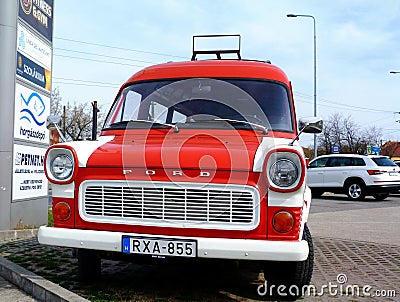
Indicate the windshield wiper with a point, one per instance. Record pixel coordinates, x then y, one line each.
256 126
152 123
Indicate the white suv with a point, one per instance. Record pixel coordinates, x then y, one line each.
354 175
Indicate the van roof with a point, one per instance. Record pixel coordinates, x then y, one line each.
211 69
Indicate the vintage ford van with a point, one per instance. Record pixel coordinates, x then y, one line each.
195 159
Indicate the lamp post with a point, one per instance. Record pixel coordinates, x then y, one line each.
394 72
315 72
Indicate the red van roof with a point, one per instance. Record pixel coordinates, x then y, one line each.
212 69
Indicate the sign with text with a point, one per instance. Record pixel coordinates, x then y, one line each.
39 15
32 47
31 110
33 72
29 179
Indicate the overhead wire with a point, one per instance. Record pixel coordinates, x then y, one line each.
121 48
99 84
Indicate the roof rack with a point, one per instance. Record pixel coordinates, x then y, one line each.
217 52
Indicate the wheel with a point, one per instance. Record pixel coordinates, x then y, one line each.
355 190
380 196
303 269
315 193
293 275
89 265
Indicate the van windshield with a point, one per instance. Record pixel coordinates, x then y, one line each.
203 103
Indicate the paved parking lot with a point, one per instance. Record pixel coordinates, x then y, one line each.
357 258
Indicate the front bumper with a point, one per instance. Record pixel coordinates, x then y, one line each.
220 248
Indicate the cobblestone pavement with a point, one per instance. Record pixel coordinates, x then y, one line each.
344 265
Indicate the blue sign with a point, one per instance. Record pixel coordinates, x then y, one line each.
335 149
126 245
373 150
39 15
33 72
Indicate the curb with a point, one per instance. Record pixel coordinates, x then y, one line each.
11 235
39 288
36 286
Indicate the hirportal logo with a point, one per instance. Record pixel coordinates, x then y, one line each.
33 110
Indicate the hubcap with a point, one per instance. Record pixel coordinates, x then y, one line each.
355 191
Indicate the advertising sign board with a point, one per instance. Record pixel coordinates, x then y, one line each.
31 110
28 172
373 150
33 72
32 47
39 15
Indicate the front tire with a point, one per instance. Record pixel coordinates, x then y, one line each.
89 265
304 269
293 275
355 190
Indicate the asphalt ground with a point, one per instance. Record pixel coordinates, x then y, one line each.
357 258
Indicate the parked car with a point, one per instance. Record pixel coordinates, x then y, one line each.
397 162
354 175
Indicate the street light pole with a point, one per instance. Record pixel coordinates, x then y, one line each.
315 72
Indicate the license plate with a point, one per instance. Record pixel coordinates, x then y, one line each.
393 174
159 246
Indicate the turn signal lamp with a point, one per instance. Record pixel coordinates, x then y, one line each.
283 222
62 211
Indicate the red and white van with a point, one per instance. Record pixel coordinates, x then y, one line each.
195 159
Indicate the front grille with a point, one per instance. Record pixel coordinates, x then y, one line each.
166 204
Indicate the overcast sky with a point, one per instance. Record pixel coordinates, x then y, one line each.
99 44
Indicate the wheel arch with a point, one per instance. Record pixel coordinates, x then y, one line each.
353 179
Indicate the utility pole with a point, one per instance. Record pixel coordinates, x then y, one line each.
315 73
94 120
64 121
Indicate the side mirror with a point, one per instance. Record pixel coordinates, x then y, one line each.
52 124
52 121
310 125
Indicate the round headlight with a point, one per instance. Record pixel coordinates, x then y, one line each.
283 173
62 167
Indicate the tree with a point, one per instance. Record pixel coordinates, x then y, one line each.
77 122
348 135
